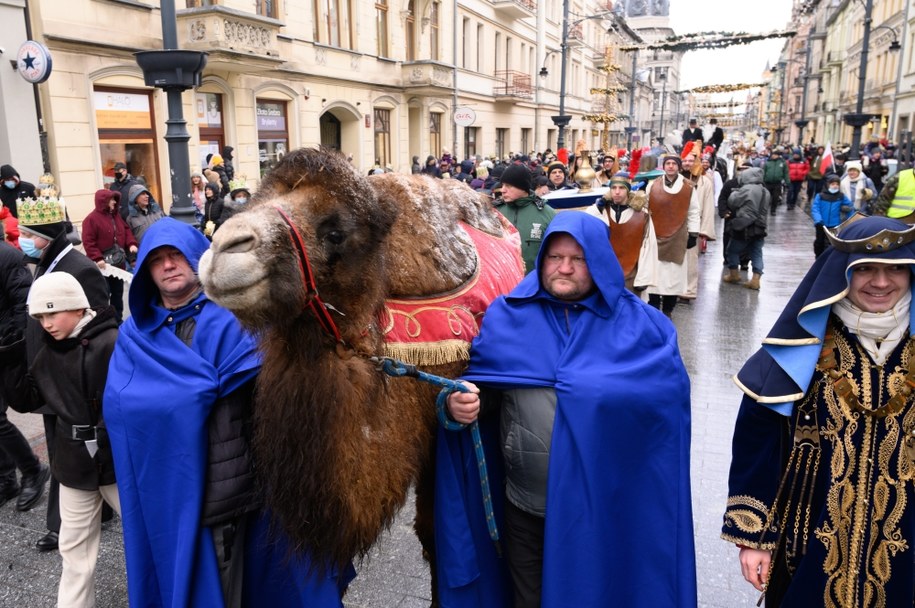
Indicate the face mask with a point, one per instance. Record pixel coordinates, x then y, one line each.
241 200
833 189
9 184
29 248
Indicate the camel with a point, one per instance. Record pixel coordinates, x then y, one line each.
402 266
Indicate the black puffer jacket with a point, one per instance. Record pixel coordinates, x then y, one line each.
15 281
68 376
231 489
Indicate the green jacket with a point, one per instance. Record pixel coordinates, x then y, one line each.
775 171
530 215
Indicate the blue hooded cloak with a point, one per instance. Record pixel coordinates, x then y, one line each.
157 400
618 516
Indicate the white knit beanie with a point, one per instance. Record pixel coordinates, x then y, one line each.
55 292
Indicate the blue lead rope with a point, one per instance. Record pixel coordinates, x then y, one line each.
399 369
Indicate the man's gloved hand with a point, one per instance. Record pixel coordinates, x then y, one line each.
691 241
818 225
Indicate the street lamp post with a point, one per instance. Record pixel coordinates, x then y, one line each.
859 119
663 78
802 121
561 121
174 71
631 128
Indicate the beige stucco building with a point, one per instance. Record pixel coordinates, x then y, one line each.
378 80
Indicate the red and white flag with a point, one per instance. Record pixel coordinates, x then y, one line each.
827 162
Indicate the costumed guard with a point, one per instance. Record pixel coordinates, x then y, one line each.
704 187
674 209
163 385
821 497
631 232
612 487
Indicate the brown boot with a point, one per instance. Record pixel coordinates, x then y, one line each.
732 276
754 282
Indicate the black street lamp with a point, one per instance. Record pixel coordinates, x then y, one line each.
662 76
858 118
174 71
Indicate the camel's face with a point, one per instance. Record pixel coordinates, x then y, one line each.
252 267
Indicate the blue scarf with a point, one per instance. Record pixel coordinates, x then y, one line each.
619 520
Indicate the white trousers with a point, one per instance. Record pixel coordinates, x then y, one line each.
80 533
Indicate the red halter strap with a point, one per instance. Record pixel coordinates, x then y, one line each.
312 299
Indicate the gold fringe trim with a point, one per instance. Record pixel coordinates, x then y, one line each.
429 353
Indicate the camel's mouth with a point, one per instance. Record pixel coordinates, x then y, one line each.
231 275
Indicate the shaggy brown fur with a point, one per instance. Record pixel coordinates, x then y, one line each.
337 442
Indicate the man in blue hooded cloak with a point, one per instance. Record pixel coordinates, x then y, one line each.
584 390
181 368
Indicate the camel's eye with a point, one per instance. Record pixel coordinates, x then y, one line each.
335 237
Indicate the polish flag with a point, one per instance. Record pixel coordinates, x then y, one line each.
828 161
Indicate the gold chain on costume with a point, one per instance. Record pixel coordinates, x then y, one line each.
861 530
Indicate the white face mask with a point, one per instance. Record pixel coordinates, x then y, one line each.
833 189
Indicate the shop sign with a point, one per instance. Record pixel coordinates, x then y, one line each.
270 117
117 110
464 116
33 62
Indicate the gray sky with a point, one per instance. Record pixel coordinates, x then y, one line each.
735 64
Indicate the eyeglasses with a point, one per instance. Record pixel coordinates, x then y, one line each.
557 260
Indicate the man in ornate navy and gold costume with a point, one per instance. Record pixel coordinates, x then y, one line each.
822 482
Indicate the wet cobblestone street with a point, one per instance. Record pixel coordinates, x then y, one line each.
717 332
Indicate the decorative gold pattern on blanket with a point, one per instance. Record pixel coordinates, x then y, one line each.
438 329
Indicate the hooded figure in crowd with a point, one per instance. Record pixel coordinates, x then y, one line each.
12 188
178 407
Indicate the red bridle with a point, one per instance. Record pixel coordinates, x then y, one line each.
312 299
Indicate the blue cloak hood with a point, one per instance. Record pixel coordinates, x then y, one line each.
779 373
619 518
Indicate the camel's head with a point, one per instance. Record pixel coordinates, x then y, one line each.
253 266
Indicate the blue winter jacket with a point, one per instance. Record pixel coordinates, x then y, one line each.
831 209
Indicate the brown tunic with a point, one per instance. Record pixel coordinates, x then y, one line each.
626 240
669 214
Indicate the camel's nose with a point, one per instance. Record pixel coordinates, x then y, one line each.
233 240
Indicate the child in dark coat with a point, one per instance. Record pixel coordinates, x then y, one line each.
68 375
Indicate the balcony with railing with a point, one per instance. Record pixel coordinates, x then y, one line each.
513 85
515 9
216 29
576 35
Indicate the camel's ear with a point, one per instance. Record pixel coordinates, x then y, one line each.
386 211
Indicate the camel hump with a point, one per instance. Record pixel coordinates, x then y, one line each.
427 250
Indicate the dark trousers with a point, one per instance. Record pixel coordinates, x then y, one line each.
794 190
666 304
524 553
775 191
116 293
813 188
15 452
820 243
53 515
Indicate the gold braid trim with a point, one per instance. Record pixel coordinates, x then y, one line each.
429 353
747 543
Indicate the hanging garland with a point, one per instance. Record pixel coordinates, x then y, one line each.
604 118
724 104
609 90
722 88
705 40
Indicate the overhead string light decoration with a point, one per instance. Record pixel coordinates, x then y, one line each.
723 88
705 40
